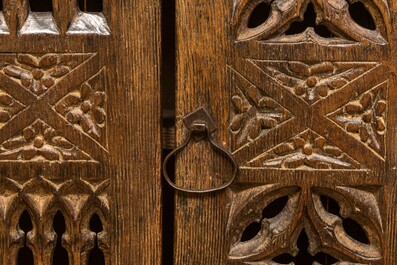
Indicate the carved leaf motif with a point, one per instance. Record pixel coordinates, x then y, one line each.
40 142
308 150
333 14
254 113
366 118
313 81
85 107
39 73
9 107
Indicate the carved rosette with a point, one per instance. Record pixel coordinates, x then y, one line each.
304 209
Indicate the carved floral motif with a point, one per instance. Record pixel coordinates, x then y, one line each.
304 210
305 151
85 107
40 142
313 81
56 89
9 107
365 118
253 112
39 73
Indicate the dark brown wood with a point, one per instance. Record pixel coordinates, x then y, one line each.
308 112
80 131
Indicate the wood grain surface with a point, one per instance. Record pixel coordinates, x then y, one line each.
307 108
80 131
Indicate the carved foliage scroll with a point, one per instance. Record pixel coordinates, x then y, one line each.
334 15
305 209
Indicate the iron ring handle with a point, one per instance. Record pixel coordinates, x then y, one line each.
200 128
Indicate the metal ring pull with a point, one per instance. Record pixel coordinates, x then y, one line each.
200 129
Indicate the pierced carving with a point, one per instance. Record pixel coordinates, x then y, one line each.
307 150
85 107
278 234
40 142
253 112
313 81
365 118
42 199
40 73
334 15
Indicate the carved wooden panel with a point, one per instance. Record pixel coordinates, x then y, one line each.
71 108
303 95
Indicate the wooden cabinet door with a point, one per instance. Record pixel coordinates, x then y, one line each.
79 132
303 95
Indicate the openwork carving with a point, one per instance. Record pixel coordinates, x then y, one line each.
334 15
40 142
41 97
306 209
78 200
314 81
365 118
253 112
308 150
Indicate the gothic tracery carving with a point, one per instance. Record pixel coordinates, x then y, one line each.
333 14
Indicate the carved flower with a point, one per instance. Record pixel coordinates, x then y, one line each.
313 82
307 150
84 107
37 74
255 114
8 107
365 118
39 141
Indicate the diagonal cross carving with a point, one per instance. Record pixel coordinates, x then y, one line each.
41 107
308 116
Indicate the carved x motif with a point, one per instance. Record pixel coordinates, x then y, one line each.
308 116
41 107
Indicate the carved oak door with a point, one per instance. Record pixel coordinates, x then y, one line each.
303 94
79 126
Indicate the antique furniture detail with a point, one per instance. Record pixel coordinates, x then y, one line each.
56 207
262 233
201 127
28 17
332 15
309 88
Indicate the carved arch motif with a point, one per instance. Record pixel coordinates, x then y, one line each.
304 210
334 14
42 198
